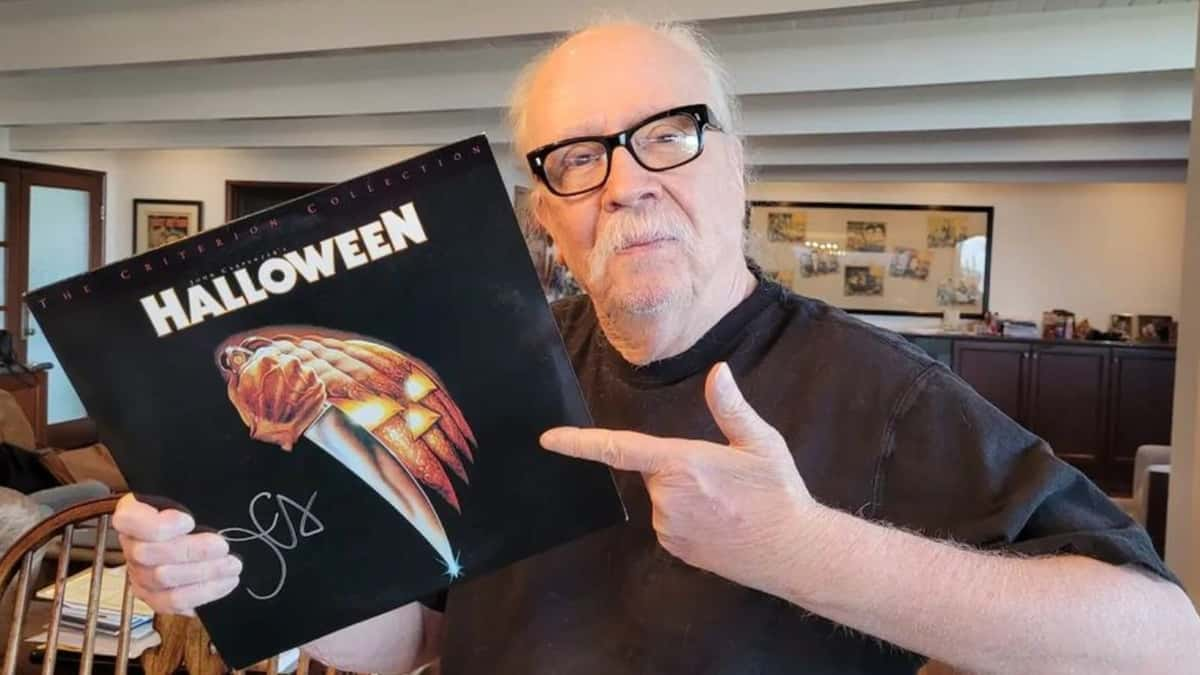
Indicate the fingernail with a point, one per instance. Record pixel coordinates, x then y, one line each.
234 565
725 376
552 438
186 522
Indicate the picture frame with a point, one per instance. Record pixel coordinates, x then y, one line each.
1154 328
157 222
1122 324
894 259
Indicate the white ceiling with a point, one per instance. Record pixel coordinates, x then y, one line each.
1104 84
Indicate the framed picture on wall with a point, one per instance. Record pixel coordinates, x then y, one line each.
906 259
161 221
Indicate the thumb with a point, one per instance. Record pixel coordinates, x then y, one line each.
737 420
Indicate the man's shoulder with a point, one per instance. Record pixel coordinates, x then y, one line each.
837 335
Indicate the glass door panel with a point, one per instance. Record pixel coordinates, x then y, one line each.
59 226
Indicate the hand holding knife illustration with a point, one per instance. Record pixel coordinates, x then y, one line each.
377 411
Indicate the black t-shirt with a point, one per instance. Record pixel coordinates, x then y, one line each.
877 429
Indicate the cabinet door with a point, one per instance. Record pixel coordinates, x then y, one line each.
997 370
939 348
1142 394
1068 404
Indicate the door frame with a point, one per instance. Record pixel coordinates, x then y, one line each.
232 188
10 176
23 176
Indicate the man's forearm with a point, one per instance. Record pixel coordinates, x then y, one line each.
984 612
398 641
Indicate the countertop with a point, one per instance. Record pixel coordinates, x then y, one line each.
953 335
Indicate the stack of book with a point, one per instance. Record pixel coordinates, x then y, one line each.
108 620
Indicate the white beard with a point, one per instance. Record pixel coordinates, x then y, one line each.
631 226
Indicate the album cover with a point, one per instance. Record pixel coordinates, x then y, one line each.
349 387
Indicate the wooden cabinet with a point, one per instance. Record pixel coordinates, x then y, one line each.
1140 399
29 389
997 370
1068 403
939 348
1094 404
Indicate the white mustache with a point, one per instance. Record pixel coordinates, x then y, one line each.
631 228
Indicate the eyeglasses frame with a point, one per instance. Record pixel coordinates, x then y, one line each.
700 112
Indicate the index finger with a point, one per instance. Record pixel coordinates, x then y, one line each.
625 450
138 520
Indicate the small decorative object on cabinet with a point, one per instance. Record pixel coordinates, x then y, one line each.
1123 324
1154 328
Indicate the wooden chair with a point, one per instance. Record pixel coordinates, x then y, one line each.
184 640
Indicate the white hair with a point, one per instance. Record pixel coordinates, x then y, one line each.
724 102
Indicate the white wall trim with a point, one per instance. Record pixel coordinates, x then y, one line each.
1141 142
128 32
1097 100
994 48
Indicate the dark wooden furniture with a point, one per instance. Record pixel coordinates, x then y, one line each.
1142 395
243 197
18 563
998 370
1093 402
1158 490
28 387
1068 389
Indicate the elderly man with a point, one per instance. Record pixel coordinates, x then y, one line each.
847 481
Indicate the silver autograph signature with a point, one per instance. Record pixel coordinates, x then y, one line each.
309 525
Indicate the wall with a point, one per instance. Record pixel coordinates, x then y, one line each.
201 174
1183 514
1095 249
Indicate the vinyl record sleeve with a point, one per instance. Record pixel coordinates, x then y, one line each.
349 387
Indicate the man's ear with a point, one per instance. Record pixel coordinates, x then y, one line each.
538 209
737 155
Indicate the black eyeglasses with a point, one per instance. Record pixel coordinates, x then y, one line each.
663 141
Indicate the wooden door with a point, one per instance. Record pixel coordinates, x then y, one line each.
10 199
55 230
997 370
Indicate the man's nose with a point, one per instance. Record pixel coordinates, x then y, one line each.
629 184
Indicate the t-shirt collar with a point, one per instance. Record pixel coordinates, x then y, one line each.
714 345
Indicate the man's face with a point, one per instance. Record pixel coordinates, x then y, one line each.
645 242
